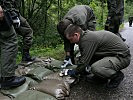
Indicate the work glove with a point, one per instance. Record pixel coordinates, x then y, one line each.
16 22
66 62
68 72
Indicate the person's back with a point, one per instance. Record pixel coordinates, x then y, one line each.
107 42
81 15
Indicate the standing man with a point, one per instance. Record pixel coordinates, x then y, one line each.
115 16
81 15
8 51
26 32
130 19
104 53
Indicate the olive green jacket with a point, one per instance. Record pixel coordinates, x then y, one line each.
99 44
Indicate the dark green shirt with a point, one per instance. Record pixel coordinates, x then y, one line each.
99 44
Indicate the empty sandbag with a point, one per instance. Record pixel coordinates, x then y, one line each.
34 95
56 88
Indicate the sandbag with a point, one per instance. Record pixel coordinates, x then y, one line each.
34 95
22 70
26 64
3 97
39 72
56 88
56 76
16 91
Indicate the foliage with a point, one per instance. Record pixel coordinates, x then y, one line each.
128 9
56 52
43 16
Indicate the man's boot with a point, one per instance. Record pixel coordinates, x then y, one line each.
95 79
12 82
26 56
115 80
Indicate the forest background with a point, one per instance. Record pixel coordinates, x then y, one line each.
43 16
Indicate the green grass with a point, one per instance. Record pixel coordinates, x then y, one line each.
57 52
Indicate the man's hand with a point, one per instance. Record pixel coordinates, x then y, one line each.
68 72
66 62
1 14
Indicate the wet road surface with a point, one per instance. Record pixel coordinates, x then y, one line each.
88 91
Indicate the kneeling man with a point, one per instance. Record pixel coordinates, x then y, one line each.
103 52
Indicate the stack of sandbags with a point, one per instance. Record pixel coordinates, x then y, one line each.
42 80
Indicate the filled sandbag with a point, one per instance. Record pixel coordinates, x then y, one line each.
56 76
56 88
26 64
3 97
39 72
22 70
34 95
16 91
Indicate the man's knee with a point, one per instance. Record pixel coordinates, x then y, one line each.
102 71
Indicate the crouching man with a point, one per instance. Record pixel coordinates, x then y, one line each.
103 52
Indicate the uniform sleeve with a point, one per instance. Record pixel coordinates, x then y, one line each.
87 50
67 45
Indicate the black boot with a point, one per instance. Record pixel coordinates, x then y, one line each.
26 56
11 82
95 79
115 80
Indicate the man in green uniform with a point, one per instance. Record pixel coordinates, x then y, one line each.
115 16
26 32
8 52
101 51
130 19
23 29
81 15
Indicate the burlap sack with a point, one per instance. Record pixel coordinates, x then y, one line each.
56 88
34 95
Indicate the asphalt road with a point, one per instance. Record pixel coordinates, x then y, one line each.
88 91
